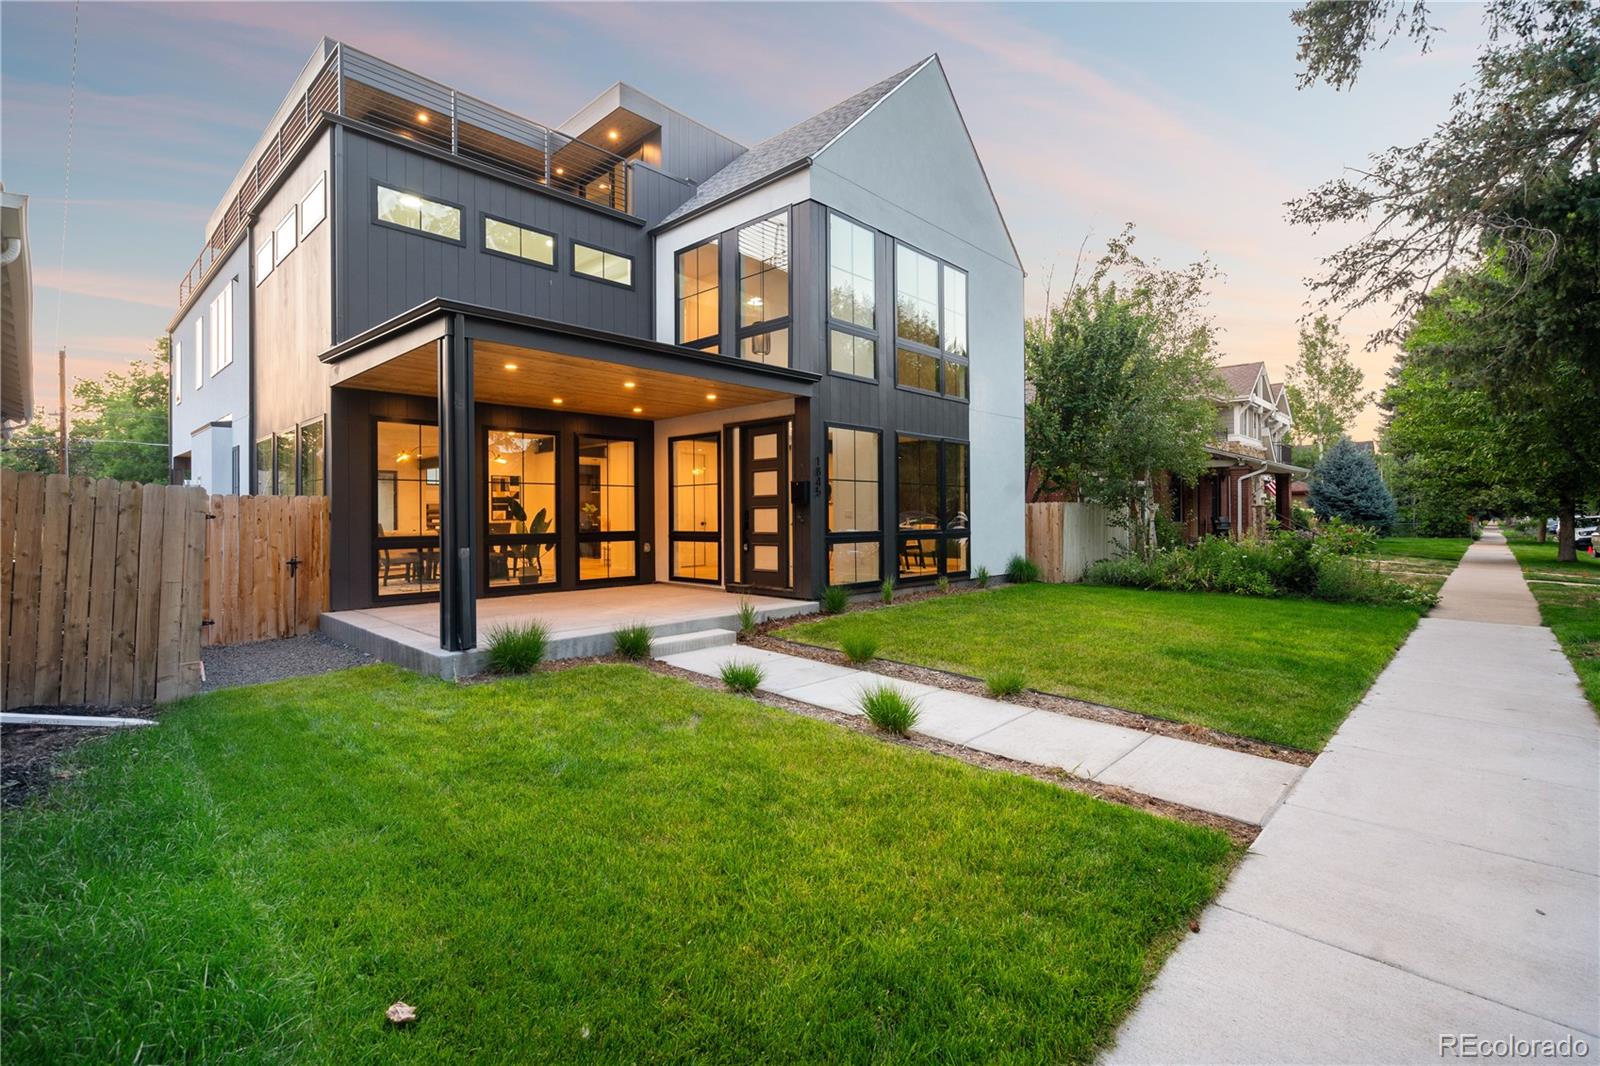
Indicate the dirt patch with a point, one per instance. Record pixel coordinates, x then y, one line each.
31 756
1242 833
1043 701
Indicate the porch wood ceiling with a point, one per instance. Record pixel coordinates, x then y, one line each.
583 385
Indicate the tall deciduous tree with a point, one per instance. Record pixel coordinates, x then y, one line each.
1533 114
1122 382
1325 387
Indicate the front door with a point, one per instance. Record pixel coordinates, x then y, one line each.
764 499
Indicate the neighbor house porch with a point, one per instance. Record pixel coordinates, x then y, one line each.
478 455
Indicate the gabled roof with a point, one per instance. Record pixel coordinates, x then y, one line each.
1240 378
797 145
1280 399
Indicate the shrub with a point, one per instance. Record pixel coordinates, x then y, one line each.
859 647
747 616
1003 683
1292 563
887 590
1304 517
516 649
981 577
889 709
1344 538
1022 570
835 598
742 677
633 642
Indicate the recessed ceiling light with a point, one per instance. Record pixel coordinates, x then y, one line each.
561 170
638 410
613 134
511 366
423 117
629 384
557 401
711 396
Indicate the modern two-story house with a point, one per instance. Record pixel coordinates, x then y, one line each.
1248 472
628 349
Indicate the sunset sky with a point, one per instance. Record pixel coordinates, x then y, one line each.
1183 119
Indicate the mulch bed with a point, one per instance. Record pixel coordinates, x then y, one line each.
30 755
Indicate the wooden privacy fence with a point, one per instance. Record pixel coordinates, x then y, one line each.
266 567
1065 539
108 589
102 602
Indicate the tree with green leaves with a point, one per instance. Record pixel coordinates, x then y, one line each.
1325 387
1122 381
1445 445
1346 484
1533 115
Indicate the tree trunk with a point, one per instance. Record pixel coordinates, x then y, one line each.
1566 549
1544 530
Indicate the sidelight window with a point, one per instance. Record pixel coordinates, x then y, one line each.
854 538
934 500
521 470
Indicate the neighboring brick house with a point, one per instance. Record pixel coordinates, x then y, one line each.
1248 473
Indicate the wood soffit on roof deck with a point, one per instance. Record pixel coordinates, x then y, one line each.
584 385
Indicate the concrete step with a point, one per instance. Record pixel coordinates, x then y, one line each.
661 647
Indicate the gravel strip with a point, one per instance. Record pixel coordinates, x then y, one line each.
274 660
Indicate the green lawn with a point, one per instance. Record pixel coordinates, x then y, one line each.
1280 670
595 864
1441 549
1572 611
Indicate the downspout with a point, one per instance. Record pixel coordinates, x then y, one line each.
1239 496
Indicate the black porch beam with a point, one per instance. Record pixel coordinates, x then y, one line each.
458 616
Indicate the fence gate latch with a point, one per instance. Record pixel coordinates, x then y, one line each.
294 566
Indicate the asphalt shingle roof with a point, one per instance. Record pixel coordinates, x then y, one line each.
1240 378
799 142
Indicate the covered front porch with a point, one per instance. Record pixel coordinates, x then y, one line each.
479 457
578 623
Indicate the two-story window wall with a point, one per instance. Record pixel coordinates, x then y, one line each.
930 324
852 299
764 290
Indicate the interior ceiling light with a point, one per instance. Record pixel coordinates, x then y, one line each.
511 366
754 301
501 460
403 457
423 117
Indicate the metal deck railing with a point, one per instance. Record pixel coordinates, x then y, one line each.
360 87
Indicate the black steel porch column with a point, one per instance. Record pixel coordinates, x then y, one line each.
458 615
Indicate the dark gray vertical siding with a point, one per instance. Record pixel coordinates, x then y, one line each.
655 195
384 271
692 151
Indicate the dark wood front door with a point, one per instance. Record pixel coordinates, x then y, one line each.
764 505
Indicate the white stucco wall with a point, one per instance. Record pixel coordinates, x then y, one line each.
223 396
907 168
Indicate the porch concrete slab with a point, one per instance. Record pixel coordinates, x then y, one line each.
1489 747
1231 783
958 716
1076 745
1515 816
1243 990
780 673
1518 932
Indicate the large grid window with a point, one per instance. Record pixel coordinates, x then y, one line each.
521 468
854 539
699 302
930 324
933 500
696 509
852 298
519 242
608 531
601 265
410 211
283 463
310 453
406 483
764 290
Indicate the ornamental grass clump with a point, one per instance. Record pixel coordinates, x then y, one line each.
1003 683
835 598
887 590
1021 570
633 642
516 649
889 709
742 677
980 577
859 647
747 617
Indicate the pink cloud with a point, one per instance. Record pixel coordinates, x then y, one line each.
105 285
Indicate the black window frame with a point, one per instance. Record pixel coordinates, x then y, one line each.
552 538
377 183
299 456
674 534
572 264
267 467
714 339
599 537
379 543
742 333
945 531
937 352
292 437
871 333
830 538
485 217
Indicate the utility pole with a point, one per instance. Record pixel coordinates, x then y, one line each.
61 365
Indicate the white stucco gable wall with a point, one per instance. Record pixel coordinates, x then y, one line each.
909 169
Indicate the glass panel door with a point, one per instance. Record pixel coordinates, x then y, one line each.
521 472
764 532
696 524
607 509
406 484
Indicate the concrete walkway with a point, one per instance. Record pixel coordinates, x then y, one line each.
1433 873
1230 783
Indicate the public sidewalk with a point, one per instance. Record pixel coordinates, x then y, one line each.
1432 875
1230 783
